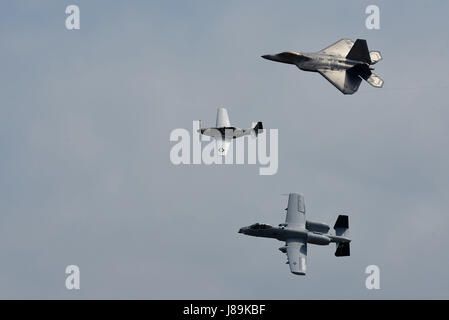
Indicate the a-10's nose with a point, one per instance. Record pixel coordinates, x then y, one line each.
242 230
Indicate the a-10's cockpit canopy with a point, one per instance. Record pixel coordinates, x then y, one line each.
259 226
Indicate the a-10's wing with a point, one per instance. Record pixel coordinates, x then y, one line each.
296 211
346 82
296 249
340 48
297 255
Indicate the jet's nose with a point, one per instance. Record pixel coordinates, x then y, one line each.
284 57
268 56
243 230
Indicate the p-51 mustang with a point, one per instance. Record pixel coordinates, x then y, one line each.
297 232
224 132
344 64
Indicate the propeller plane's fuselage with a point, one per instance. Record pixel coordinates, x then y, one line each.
224 132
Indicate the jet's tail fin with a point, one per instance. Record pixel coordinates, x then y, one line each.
364 71
258 128
359 52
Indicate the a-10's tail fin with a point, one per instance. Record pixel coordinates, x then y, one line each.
359 52
343 250
341 228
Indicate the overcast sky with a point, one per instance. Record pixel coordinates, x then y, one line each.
86 178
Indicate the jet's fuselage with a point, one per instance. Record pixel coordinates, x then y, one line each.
344 64
315 61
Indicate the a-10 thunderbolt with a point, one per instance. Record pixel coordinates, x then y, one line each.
297 232
344 64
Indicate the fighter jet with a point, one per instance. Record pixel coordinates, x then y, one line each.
224 132
297 232
344 64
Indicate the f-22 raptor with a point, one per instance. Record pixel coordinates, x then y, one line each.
297 232
344 64
224 132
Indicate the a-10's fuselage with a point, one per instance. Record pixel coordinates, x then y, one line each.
282 233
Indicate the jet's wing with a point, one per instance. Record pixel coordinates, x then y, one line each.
296 211
297 256
340 48
222 145
345 82
222 118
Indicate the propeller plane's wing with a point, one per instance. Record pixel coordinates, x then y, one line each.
222 118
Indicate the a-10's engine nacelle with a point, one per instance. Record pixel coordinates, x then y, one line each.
318 239
317 226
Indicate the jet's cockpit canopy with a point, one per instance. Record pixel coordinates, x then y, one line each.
288 54
259 226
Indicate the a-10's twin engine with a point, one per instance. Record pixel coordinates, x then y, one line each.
319 239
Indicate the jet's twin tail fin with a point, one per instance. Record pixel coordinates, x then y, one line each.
359 52
364 71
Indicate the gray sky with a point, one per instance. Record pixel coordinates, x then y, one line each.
85 174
